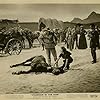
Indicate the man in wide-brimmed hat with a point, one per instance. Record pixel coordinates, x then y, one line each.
49 40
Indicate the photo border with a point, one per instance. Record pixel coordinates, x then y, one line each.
51 96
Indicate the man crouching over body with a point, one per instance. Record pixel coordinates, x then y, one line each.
38 64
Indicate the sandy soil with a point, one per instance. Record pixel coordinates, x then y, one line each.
82 76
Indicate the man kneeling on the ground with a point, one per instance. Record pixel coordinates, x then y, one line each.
67 59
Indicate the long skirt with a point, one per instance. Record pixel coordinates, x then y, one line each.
82 42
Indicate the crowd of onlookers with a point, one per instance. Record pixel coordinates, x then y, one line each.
73 37
78 38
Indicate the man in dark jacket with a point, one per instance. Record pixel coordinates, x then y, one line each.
93 42
98 30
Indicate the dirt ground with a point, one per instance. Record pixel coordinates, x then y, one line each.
82 76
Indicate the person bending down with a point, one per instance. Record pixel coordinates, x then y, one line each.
67 59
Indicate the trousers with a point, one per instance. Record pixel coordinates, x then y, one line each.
93 53
48 52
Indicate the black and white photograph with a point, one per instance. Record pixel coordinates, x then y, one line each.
49 48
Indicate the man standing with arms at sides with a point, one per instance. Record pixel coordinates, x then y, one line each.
49 40
93 35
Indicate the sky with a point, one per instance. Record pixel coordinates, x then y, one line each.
33 12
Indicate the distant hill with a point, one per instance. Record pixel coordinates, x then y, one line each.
51 23
69 24
92 18
76 20
54 23
30 25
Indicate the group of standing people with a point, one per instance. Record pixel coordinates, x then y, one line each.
75 38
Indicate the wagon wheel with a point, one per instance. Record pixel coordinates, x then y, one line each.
14 46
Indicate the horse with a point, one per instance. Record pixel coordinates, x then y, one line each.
38 65
30 36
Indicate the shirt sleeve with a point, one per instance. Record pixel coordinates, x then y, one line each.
60 55
68 53
41 38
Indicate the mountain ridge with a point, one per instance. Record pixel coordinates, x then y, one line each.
92 18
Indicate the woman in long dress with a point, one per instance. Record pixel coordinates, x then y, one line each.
82 39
